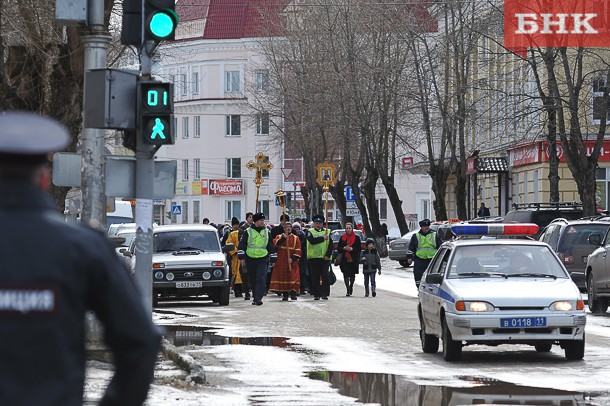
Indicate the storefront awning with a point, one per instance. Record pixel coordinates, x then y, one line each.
492 165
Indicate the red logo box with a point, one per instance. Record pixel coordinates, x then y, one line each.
555 24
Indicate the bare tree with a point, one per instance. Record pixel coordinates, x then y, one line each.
42 66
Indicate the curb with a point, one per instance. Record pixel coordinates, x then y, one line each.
184 361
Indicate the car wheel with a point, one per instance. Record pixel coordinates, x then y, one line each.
223 296
543 347
596 304
429 342
452 350
404 263
575 349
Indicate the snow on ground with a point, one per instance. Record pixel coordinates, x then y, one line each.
272 375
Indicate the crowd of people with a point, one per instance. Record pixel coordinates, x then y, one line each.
293 259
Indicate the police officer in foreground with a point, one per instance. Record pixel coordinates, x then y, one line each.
254 249
52 273
422 247
319 251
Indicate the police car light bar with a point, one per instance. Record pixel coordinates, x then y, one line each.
495 229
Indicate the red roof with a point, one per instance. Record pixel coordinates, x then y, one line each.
230 19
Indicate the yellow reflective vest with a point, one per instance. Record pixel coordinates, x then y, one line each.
257 243
426 245
317 250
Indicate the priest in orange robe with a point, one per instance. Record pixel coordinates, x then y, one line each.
286 277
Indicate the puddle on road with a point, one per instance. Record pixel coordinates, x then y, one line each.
181 336
395 390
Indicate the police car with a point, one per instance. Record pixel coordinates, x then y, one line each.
499 291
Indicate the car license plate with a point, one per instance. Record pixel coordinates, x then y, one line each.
523 322
188 284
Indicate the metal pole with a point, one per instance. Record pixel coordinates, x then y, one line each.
145 170
326 206
95 46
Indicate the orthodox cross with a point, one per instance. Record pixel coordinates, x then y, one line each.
259 165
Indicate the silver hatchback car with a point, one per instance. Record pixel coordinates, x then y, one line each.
499 291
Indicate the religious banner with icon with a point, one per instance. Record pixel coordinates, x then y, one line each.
326 178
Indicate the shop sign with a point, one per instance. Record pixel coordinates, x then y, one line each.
196 187
525 155
604 152
226 187
471 165
182 188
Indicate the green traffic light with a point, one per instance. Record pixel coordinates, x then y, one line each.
163 24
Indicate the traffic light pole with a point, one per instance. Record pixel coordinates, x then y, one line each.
95 44
145 170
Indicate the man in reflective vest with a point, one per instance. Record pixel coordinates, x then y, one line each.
253 252
319 251
422 248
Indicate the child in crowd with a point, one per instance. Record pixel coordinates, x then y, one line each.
371 263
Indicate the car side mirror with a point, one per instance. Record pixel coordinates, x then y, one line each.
228 247
595 239
434 278
127 254
123 249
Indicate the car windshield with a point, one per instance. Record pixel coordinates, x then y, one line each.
186 240
505 261
129 236
578 234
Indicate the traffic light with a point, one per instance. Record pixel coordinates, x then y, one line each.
160 20
155 111
131 28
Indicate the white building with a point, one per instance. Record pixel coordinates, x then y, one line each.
215 67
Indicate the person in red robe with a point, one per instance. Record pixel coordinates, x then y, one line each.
286 277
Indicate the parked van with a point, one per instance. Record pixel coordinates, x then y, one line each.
122 213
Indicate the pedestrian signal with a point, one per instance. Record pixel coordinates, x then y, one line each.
155 109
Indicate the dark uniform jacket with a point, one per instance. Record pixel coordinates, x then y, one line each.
419 264
243 246
52 273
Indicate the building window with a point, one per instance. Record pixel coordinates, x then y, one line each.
598 100
175 124
183 84
185 127
233 167
197 163
262 80
382 206
233 125
196 212
233 209
262 124
185 212
263 207
185 169
196 126
195 82
265 172
232 82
